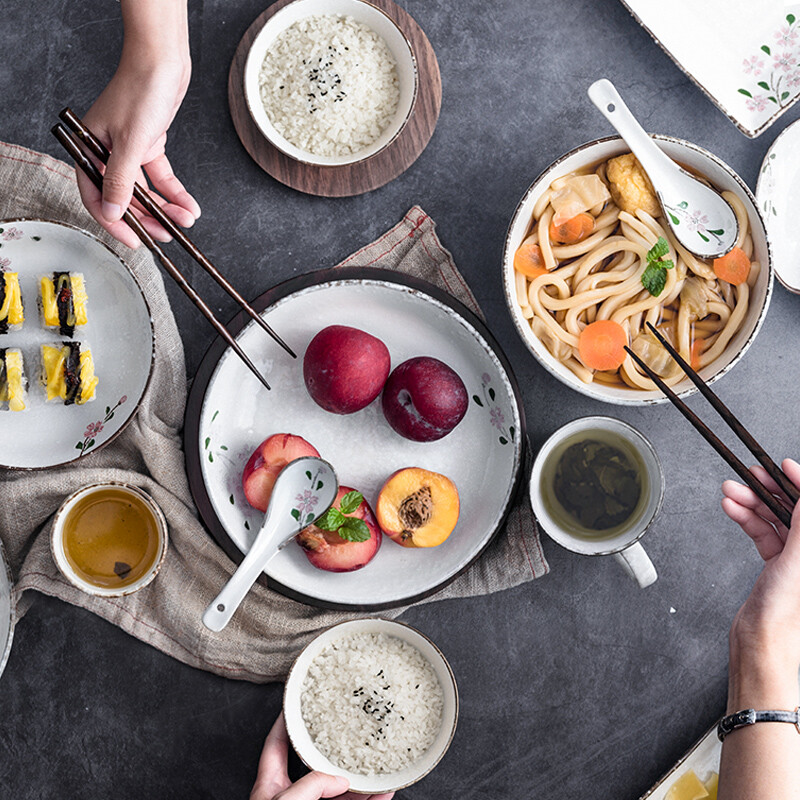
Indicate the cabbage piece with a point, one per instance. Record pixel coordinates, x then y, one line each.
694 297
654 354
578 194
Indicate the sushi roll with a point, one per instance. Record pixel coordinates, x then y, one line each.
63 302
12 379
68 372
11 313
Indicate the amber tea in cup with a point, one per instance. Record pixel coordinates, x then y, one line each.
109 539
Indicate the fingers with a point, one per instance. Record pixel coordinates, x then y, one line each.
121 171
92 200
314 786
764 535
745 496
792 546
272 776
183 208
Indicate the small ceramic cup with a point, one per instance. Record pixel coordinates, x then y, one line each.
622 542
62 517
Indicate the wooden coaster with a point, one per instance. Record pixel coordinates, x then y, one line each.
350 179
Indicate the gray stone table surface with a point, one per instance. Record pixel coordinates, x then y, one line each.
576 685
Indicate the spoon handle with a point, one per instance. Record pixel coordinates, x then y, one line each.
605 96
222 608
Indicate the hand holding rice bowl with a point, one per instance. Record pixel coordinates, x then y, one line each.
553 324
374 701
330 83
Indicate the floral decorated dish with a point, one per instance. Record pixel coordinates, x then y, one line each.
744 56
776 193
229 414
119 331
7 610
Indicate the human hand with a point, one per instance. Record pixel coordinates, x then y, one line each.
131 117
765 636
272 781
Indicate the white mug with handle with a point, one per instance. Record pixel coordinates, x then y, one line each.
622 541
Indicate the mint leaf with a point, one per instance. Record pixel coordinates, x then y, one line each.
350 502
654 278
354 529
331 520
658 250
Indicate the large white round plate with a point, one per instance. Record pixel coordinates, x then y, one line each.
776 194
6 611
230 413
119 333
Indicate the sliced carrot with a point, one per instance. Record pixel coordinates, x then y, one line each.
574 230
733 267
529 260
698 345
602 345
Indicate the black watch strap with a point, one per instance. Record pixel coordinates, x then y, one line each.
750 716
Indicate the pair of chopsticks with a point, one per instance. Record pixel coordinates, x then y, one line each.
780 511
76 133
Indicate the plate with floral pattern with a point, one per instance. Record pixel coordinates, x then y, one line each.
776 195
119 333
229 414
744 56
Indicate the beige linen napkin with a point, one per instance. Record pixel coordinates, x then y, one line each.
268 630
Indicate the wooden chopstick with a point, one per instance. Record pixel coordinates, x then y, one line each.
773 470
73 148
772 502
141 194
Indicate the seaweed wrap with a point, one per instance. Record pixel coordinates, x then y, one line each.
68 373
63 302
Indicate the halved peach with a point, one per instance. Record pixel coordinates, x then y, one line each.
417 507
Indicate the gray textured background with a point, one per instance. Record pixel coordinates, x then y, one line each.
576 685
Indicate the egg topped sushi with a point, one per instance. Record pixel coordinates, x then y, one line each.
63 301
68 372
12 379
11 312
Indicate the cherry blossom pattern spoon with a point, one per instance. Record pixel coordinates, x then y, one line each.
698 216
304 490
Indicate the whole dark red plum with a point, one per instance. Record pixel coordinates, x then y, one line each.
345 368
424 399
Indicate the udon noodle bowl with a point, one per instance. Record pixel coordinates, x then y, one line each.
598 263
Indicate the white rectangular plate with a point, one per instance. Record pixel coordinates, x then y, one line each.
744 55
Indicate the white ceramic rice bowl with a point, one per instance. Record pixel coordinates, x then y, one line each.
301 739
363 12
697 159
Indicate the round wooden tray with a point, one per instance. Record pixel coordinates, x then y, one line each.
366 175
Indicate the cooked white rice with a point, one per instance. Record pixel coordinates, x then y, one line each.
372 703
329 85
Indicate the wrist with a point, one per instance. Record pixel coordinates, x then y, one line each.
157 33
761 678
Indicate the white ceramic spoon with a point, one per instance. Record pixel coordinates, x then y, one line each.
304 491
698 216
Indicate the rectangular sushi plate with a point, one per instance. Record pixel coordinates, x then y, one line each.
744 56
703 759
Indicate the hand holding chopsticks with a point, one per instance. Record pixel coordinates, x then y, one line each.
765 494
69 140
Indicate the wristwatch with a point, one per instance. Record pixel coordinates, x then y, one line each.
750 716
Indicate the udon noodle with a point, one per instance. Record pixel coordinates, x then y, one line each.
600 278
